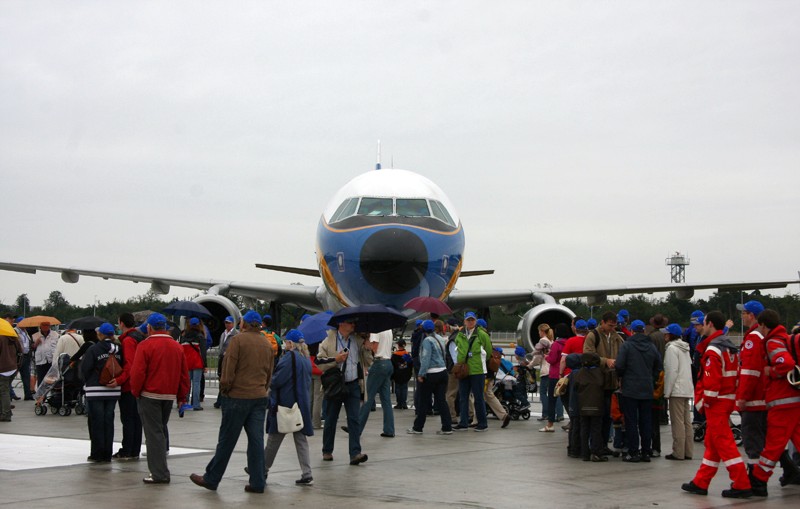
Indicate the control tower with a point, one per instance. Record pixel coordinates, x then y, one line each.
677 267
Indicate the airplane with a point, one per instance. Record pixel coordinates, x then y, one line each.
386 236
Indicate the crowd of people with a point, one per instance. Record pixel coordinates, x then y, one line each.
617 379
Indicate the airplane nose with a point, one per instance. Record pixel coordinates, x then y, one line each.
393 260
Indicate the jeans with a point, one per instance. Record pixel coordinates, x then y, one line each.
352 403
472 384
379 381
131 425
638 424
101 427
237 413
401 394
436 384
155 416
544 383
195 376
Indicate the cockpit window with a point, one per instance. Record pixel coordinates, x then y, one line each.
345 210
417 207
375 207
440 213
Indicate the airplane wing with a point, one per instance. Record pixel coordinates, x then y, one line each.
304 296
598 294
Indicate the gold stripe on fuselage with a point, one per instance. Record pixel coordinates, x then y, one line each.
337 230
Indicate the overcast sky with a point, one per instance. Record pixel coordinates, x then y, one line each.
581 142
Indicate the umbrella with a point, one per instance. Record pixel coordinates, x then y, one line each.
370 317
187 308
428 305
35 321
86 322
315 328
6 329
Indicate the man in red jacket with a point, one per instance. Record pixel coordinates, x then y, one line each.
128 408
752 383
159 377
715 395
783 399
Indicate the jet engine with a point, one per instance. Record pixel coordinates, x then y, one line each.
219 306
550 313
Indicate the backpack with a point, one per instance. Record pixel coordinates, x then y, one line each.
111 369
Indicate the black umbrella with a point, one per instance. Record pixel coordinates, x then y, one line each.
370 317
86 323
187 308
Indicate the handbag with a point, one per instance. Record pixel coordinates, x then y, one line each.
111 369
561 386
290 419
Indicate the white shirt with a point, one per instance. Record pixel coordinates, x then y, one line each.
384 340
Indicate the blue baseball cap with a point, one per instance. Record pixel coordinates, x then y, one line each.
698 317
471 315
623 312
251 317
674 329
194 321
19 319
581 325
520 351
229 319
637 325
295 336
417 323
591 323
302 318
107 329
498 349
267 316
156 320
751 306
482 323
428 326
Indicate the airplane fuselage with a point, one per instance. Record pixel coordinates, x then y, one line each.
388 236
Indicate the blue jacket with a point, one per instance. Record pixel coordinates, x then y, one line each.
432 355
281 386
638 364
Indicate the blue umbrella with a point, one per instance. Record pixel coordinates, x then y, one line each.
315 328
187 308
370 317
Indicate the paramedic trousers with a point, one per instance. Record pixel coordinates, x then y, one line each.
783 424
720 448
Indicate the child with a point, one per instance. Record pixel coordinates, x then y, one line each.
401 362
589 385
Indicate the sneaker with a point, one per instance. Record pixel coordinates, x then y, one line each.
599 459
461 428
152 480
412 431
443 432
631 458
121 457
734 493
547 429
655 454
305 481
694 489
644 458
480 430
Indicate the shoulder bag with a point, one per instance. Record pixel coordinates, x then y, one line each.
290 419
461 369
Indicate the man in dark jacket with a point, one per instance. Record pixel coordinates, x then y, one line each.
589 381
638 365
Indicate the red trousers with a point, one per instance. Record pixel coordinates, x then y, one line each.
720 447
783 424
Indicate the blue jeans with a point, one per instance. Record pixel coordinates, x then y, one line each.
401 394
352 404
249 414
544 383
638 421
195 375
379 381
101 427
473 384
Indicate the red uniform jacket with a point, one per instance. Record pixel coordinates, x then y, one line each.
752 380
129 345
716 387
780 393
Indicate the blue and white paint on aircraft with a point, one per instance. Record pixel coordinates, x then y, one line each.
387 236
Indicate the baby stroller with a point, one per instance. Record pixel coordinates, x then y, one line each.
513 396
700 431
61 390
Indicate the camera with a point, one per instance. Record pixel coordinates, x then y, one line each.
345 350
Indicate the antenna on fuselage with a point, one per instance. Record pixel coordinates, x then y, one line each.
378 164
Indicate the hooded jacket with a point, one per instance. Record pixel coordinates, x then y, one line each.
780 393
589 382
678 370
716 387
639 365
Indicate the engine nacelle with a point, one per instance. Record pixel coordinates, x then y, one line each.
549 313
219 306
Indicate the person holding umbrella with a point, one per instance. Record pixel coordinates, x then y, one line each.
344 350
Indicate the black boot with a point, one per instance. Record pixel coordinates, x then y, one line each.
791 472
759 488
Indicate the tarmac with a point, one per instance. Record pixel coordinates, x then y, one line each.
43 461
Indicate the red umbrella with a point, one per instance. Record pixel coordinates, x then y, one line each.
428 305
